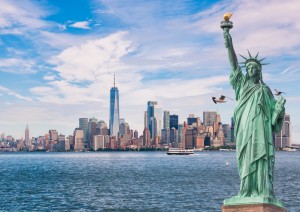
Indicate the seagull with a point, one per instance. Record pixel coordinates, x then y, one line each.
278 92
220 100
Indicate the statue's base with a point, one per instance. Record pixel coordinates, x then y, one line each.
262 207
252 204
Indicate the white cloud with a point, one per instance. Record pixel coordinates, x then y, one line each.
49 77
17 65
7 91
22 16
93 58
81 25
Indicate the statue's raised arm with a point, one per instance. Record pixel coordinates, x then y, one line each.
226 25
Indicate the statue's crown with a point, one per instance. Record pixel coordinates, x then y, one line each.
253 59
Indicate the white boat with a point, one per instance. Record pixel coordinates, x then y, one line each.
176 151
289 149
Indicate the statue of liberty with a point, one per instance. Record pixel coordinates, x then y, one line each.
257 116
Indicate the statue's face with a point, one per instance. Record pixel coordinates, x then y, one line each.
253 69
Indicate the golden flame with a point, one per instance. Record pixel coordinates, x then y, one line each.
227 16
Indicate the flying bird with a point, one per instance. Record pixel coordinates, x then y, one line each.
278 92
220 100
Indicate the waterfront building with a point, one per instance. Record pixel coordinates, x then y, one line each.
40 143
173 137
63 143
165 136
232 139
102 128
151 119
181 135
84 125
112 142
27 140
200 141
209 118
216 124
220 134
174 121
192 120
191 137
124 128
2 137
100 142
92 130
67 144
53 139
78 139
114 114
283 138
122 120
53 135
125 140
135 134
20 144
166 122
71 141
227 133
146 138
146 124
46 143
154 112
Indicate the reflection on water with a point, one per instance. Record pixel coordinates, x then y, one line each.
132 181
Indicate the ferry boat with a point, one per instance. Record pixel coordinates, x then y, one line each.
176 151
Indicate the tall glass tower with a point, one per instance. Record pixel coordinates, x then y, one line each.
114 115
154 112
27 141
84 125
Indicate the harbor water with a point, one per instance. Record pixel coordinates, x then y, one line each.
132 181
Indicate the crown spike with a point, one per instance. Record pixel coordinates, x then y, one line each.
249 54
262 59
243 57
265 63
256 55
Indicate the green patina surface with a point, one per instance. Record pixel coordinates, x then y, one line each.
252 200
257 116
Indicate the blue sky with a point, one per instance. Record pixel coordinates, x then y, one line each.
57 58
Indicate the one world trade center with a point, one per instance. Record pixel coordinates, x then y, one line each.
114 117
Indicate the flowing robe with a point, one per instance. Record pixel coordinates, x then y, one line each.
253 134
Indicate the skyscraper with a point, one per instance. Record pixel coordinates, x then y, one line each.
102 128
78 139
283 138
174 121
209 118
166 119
114 115
192 119
92 130
84 125
27 141
154 119
146 124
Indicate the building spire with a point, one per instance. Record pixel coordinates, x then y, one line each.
114 80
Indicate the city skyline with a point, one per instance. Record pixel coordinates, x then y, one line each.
57 59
